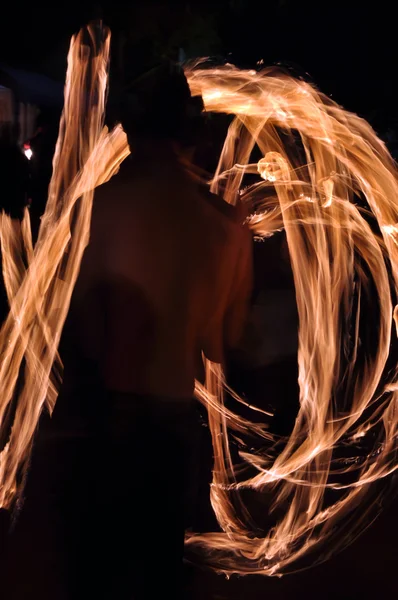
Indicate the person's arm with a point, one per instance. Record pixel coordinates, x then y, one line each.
239 303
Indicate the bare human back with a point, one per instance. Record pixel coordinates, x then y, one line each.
166 276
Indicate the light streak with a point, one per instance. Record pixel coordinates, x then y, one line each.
316 180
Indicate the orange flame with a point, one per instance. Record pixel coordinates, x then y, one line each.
317 159
40 295
329 242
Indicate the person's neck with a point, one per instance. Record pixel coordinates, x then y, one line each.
153 150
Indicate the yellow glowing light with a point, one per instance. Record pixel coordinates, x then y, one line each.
311 199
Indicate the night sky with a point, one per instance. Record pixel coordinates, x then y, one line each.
348 49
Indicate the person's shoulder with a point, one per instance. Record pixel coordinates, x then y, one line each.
110 193
103 191
234 214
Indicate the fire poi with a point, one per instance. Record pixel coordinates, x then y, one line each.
324 188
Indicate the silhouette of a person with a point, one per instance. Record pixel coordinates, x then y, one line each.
166 277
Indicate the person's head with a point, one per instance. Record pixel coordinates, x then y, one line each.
158 105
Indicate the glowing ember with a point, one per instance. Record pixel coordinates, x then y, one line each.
316 159
28 153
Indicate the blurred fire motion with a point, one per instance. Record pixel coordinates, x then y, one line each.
323 177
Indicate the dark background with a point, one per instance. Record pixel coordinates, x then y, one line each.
348 49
